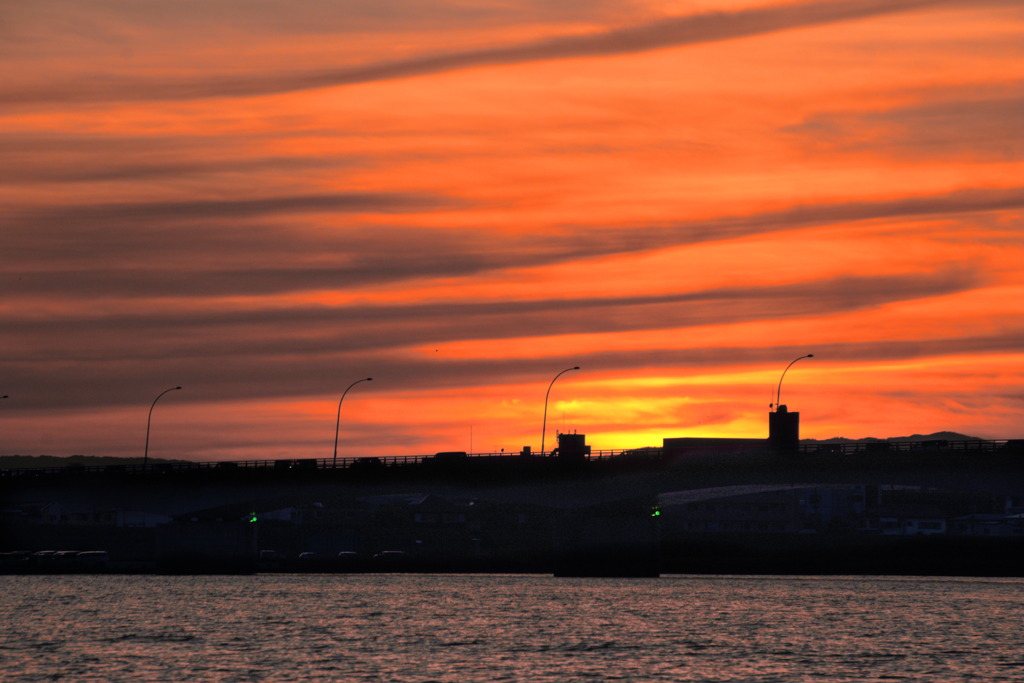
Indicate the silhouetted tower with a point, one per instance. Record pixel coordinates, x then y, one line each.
784 430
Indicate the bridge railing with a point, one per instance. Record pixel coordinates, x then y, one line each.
399 461
880 447
298 464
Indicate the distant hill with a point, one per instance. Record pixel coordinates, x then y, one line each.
937 436
17 462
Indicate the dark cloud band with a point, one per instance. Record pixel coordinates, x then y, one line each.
672 32
170 249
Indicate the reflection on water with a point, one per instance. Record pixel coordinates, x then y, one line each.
509 628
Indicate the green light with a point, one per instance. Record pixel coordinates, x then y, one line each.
253 518
656 513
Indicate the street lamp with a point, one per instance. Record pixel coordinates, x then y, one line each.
544 429
778 392
149 420
337 424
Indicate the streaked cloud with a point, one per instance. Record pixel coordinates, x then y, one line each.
110 215
380 326
112 256
663 33
981 126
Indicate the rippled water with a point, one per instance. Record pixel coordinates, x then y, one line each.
398 627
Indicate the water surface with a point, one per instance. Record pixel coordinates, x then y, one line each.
398 627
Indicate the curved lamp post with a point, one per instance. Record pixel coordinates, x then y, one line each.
337 424
778 392
149 420
544 429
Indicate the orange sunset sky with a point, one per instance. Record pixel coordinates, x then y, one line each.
264 201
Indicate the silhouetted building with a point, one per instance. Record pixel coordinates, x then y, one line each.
796 510
999 525
906 520
572 447
783 437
